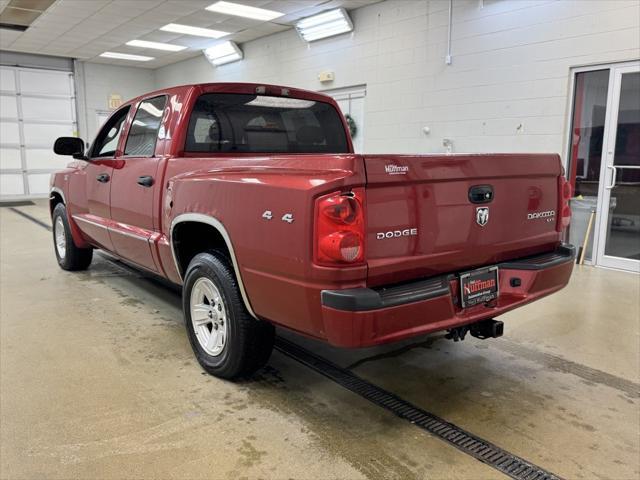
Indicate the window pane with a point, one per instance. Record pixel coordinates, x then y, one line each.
587 133
628 130
623 229
264 124
106 142
589 109
143 133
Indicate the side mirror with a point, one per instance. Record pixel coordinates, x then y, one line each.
73 146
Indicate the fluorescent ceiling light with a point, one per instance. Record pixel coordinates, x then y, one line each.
222 53
156 45
325 24
126 56
196 31
240 10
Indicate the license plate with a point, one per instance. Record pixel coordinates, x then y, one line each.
478 286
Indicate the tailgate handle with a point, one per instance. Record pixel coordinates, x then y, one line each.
481 194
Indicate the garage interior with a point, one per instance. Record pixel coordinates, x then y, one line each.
97 377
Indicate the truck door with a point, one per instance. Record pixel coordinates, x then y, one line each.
94 218
134 186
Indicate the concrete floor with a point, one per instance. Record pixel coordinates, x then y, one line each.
98 381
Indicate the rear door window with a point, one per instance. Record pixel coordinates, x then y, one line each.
223 122
141 141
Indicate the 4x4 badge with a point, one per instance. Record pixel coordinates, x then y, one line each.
287 217
482 216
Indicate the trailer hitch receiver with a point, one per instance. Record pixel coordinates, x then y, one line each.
487 329
482 330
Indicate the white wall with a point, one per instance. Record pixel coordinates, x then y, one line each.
507 89
96 82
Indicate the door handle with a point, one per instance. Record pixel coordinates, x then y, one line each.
103 178
614 174
145 181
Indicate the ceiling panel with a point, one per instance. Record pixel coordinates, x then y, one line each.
18 16
85 28
9 36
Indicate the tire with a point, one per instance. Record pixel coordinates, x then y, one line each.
68 255
226 340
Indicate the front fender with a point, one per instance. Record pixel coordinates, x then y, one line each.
59 191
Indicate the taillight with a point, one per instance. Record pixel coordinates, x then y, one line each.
340 228
565 192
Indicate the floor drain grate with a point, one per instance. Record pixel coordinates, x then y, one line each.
16 203
29 217
488 453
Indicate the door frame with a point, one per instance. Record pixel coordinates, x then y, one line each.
607 173
567 143
349 93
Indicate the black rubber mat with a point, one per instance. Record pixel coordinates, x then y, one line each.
16 203
29 217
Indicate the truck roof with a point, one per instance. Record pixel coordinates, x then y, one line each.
236 87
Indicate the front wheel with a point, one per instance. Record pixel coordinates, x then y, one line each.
227 341
68 255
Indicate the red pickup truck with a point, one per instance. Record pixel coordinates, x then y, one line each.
251 198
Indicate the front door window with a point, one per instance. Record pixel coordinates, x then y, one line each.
106 143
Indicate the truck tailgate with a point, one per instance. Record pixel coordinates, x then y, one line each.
422 222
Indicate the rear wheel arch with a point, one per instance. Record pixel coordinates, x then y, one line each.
194 233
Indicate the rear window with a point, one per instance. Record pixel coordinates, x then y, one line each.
223 122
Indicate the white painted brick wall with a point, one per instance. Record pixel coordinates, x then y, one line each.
507 89
101 81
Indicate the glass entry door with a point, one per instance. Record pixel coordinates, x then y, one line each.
351 102
618 231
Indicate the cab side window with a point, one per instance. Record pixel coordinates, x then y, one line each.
106 142
141 141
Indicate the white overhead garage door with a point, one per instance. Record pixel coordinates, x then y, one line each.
36 107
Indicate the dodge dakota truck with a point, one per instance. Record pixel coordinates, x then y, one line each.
251 198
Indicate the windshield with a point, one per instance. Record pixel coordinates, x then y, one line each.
222 122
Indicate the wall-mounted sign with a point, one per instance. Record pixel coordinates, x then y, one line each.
326 77
115 100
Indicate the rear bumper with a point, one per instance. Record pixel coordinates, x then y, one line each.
363 317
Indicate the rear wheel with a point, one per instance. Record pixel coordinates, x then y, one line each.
227 341
68 255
